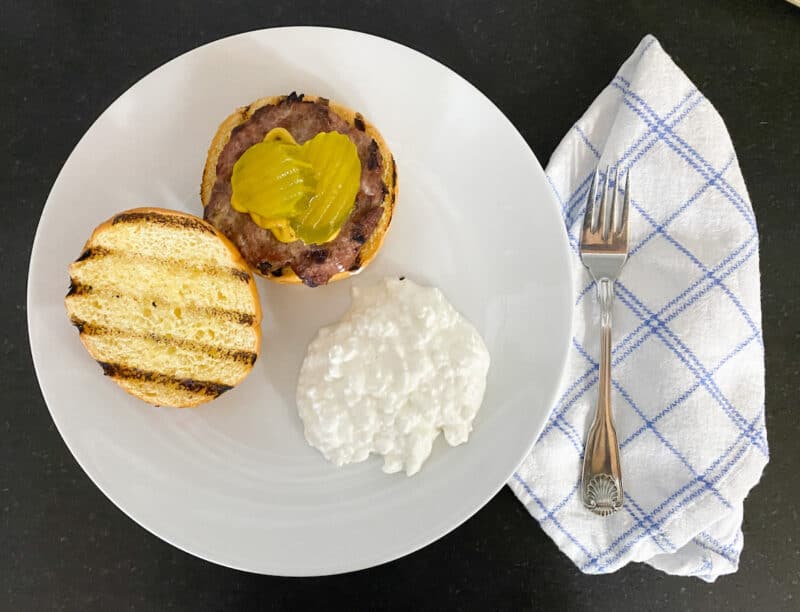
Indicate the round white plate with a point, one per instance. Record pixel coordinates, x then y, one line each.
234 481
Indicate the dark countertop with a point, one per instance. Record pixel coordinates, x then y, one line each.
65 546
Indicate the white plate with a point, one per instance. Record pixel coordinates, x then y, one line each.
234 481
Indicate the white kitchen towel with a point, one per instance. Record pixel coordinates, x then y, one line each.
688 353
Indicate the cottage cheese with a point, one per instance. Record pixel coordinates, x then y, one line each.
401 366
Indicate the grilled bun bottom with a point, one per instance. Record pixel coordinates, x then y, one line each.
167 307
247 236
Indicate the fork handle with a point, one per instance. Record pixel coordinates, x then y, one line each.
602 476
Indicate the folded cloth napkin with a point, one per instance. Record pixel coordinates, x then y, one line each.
688 354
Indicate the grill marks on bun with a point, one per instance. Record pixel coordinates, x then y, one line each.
219 352
151 216
167 307
134 375
95 253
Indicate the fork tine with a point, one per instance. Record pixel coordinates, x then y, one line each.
588 217
622 228
601 217
610 224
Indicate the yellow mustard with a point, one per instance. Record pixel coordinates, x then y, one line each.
298 192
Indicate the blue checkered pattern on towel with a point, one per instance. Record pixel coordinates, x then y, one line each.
688 361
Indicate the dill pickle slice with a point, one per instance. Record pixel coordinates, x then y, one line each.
337 169
272 181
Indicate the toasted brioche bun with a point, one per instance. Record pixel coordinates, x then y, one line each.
167 306
243 114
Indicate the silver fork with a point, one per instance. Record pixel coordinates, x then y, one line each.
604 249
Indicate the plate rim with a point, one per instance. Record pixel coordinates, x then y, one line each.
342 568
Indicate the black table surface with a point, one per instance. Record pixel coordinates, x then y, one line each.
63 545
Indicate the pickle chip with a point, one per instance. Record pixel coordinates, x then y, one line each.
272 181
337 169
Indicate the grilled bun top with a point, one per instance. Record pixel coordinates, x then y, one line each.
303 116
166 305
